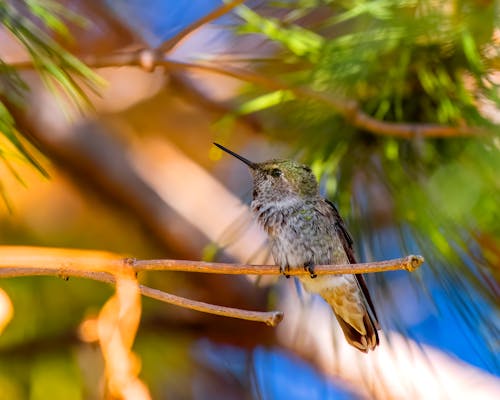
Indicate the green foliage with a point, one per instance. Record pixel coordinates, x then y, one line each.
265 101
401 61
301 42
38 357
59 70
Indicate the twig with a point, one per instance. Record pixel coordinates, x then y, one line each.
409 263
211 16
149 59
271 318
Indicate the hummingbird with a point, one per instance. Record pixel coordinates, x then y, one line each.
305 230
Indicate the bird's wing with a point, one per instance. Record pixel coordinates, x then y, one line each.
347 243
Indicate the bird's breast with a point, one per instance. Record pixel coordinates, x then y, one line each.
299 234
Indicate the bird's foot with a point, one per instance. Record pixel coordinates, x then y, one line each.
310 268
285 271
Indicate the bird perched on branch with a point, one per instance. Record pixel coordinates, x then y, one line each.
306 230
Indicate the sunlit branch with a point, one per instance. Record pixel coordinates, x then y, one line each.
271 318
409 263
17 261
349 109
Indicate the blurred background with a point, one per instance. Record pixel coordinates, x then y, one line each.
395 105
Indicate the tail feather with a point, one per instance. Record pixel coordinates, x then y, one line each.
355 313
362 342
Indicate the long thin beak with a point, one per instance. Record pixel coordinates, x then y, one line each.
247 162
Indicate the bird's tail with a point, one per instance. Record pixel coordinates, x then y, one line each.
356 315
363 341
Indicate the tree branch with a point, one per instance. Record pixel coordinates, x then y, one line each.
270 318
211 16
408 263
16 261
349 109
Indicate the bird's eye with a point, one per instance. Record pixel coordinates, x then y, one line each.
306 168
276 172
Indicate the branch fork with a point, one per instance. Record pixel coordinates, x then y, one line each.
107 267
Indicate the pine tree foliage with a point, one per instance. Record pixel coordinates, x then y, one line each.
63 73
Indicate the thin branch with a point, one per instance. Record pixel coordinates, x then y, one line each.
349 109
271 318
211 16
409 263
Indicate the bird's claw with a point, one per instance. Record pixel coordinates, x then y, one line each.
285 270
309 267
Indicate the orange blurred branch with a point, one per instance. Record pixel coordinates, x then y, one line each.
6 310
102 266
117 326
